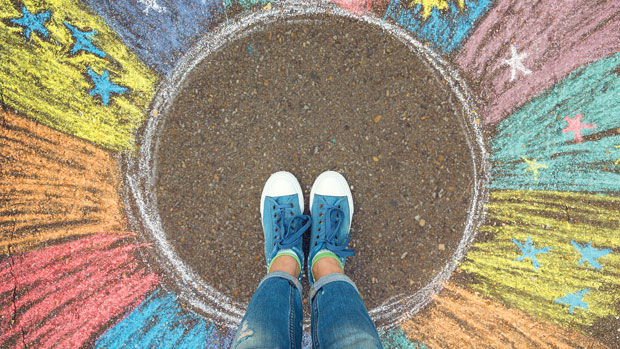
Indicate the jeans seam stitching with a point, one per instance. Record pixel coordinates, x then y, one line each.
316 327
291 333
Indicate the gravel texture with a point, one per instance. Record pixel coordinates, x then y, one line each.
309 97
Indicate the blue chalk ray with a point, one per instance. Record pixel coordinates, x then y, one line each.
160 322
590 254
33 22
444 30
574 300
159 31
529 251
83 41
572 129
103 86
397 339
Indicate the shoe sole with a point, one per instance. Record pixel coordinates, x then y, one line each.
289 177
342 181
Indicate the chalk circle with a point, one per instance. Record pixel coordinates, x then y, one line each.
141 169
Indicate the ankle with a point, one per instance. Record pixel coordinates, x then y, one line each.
325 266
286 264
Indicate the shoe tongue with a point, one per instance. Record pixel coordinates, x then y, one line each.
333 200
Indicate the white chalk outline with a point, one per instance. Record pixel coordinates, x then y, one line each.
141 170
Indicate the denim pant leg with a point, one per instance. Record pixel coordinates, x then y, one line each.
339 318
274 317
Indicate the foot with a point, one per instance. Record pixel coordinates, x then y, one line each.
281 210
331 208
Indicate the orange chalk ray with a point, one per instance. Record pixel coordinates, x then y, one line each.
460 319
53 185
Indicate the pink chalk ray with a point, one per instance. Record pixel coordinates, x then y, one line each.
84 283
551 38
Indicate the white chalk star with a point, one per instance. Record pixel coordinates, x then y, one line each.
151 5
515 63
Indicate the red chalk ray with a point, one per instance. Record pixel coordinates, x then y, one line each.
84 283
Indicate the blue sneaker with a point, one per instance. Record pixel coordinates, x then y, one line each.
281 207
331 208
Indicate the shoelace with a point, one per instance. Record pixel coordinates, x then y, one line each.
330 233
288 238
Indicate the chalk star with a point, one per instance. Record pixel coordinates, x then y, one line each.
533 166
575 125
529 251
32 22
515 63
574 300
590 254
151 5
103 86
82 41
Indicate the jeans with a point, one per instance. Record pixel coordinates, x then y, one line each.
274 317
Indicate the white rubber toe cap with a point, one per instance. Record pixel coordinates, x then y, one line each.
281 183
331 183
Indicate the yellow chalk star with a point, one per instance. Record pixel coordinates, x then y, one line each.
428 5
533 166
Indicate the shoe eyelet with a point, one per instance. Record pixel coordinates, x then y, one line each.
274 207
291 213
274 243
275 215
315 244
320 214
319 229
320 222
292 205
339 206
275 237
276 229
317 236
321 206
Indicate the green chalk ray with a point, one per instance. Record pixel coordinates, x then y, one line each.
535 132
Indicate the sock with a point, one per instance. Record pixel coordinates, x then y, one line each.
321 254
287 252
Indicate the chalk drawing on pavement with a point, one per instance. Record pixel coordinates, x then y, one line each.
141 170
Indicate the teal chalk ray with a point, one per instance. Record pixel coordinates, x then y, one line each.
397 339
535 131
160 322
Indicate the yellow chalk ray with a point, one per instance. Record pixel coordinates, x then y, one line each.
41 79
552 219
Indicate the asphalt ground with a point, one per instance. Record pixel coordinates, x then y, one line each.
334 95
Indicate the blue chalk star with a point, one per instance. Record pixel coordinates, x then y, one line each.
83 41
529 251
574 300
590 254
32 22
103 86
